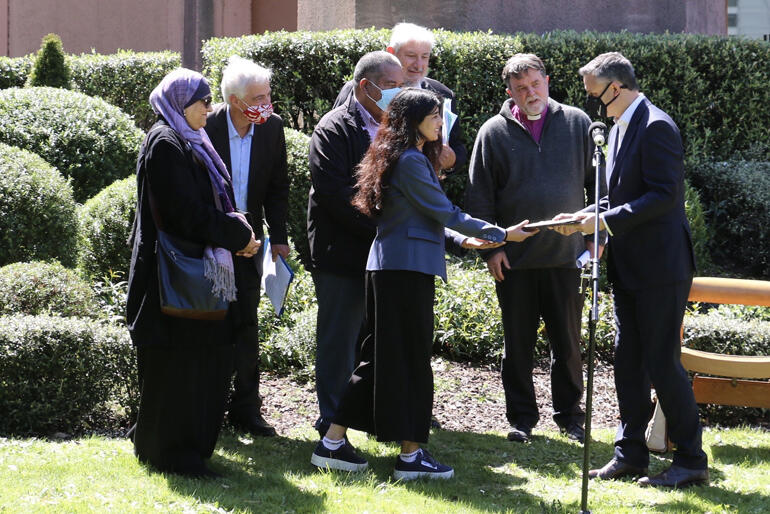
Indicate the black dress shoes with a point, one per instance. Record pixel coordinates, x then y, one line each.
616 469
255 425
520 434
575 432
677 477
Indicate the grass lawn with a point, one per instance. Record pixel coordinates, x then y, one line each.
98 474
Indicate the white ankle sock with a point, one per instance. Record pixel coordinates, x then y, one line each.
409 457
333 445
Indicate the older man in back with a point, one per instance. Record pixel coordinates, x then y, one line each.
413 44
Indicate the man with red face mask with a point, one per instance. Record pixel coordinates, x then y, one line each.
249 138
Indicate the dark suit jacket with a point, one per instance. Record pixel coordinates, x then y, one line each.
339 235
455 135
651 243
268 178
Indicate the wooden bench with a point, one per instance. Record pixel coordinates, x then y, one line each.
736 389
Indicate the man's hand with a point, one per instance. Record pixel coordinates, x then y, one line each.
480 244
568 230
496 263
282 250
447 157
590 248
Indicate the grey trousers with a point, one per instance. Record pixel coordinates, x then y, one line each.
340 319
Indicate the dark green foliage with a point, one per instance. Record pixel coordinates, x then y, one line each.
14 71
86 138
299 187
699 229
697 79
124 79
105 224
44 288
736 196
37 213
291 348
720 331
64 375
50 67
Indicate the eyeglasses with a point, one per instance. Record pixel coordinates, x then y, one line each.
206 101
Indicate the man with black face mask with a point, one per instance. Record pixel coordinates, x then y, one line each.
528 162
650 263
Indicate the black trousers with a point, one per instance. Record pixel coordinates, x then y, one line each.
525 296
245 401
183 393
390 393
647 352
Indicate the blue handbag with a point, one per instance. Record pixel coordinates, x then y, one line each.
184 290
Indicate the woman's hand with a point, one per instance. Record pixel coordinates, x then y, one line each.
517 233
480 244
251 249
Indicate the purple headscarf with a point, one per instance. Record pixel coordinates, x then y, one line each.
169 99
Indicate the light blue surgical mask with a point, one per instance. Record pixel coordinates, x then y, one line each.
386 96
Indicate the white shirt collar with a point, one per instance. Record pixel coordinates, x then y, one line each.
625 118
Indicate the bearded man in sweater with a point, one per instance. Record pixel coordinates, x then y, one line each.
529 162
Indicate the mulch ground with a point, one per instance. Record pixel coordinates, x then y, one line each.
467 398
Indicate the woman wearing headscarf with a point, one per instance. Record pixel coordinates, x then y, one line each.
184 365
391 391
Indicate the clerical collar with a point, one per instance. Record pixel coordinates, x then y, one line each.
535 117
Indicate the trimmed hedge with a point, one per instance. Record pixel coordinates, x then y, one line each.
720 333
297 146
64 375
124 79
86 138
697 79
105 224
45 288
50 68
37 213
737 199
14 71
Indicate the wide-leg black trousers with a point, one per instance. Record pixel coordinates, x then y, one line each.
390 393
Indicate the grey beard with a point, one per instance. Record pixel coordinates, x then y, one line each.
413 84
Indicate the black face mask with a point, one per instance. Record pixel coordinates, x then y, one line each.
594 106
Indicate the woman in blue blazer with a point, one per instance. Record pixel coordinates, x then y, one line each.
391 391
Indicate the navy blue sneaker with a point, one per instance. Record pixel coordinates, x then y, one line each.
424 465
344 459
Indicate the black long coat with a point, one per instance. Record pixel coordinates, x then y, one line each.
184 199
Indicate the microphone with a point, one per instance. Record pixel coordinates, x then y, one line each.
597 130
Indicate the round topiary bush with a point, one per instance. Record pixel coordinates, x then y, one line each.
86 138
105 224
44 288
38 219
64 375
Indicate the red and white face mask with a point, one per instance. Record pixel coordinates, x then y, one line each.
257 114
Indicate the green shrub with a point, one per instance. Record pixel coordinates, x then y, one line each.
44 288
301 297
292 347
736 196
64 375
105 224
684 74
124 79
717 331
297 145
50 67
37 213
86 138
14 71
701 236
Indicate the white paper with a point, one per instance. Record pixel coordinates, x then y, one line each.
449 120
583 259
276 277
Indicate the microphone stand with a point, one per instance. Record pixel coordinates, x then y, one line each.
594 317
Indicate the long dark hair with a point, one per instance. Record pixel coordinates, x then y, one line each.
398 132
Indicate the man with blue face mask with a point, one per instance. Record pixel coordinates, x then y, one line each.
339 235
